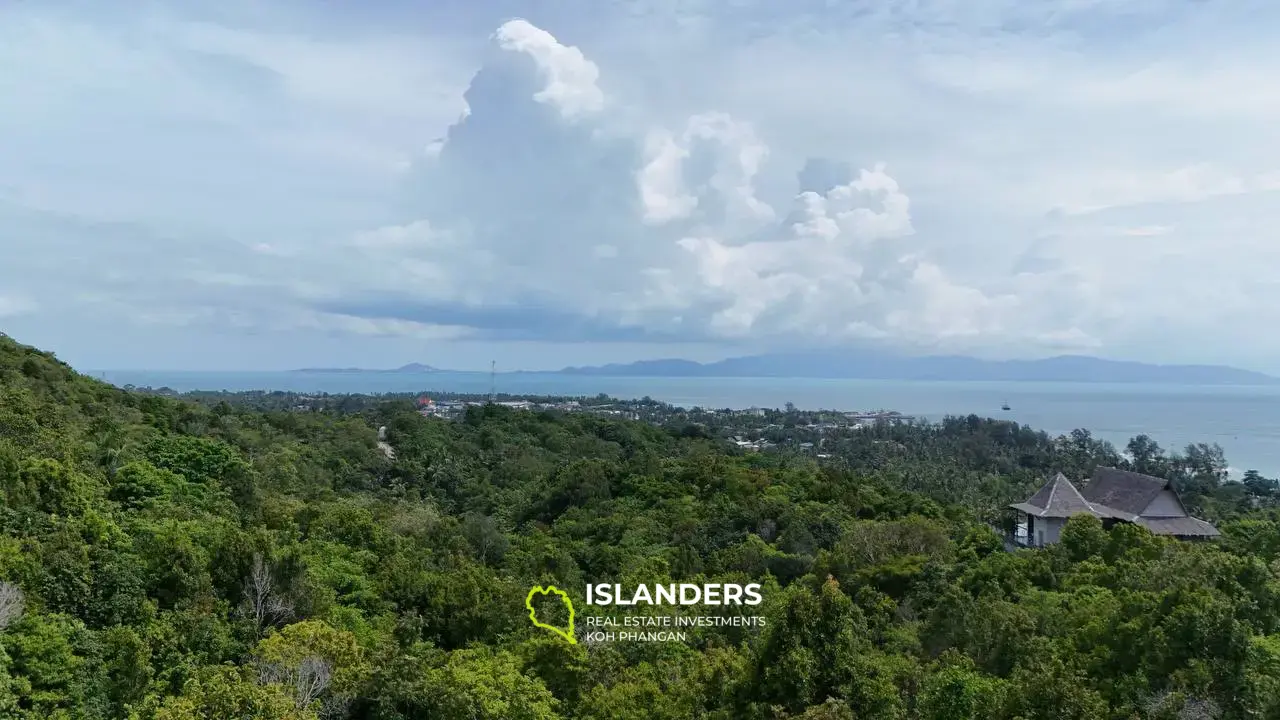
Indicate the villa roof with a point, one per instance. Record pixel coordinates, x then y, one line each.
1180 526
1116 494
1128 492
1056 498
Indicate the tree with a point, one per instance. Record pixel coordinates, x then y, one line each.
1259 486
11 603
54 487
139 484
309 679
340 586
808 653
264 602
126 659
1147 455
958 692
481 684
319 662
229 692
832 709
485 538
1083 537
48 664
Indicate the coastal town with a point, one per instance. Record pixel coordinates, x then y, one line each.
647 408
753 429
750 429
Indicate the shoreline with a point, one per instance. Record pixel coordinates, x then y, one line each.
1212 418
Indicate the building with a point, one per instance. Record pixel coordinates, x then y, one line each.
517 404
1111 495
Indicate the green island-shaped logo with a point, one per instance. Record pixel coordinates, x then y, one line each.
533 614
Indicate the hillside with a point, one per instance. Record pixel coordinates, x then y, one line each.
166 559
868 365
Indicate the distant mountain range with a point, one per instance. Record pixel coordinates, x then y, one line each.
870 365
410 368
883 366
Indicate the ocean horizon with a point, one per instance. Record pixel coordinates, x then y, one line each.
1244 420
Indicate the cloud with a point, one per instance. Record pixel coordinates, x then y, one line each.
569 77
530 229
990 177
1146 231
151 116
1188 184
833 273
15 305
734 156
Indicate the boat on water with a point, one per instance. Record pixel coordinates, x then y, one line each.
1004 406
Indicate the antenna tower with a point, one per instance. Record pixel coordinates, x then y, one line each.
493 379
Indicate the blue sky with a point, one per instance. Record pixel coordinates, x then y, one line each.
267 185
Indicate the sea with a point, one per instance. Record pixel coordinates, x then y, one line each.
1244 420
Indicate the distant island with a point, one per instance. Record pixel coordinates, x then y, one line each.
865 365
410 368
872 365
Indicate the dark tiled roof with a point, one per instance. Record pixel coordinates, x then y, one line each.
1182 527
1128 492
1057 498
1029 509
1112 493
1041 498
1103 511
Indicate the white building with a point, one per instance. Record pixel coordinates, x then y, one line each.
1112 495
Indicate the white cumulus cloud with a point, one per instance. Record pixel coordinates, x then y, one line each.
537 216
735 158
569 76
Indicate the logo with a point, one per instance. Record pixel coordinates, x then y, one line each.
681 594
533 614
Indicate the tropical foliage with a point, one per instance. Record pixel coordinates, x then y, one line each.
170 560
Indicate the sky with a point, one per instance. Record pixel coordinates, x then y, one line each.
278 184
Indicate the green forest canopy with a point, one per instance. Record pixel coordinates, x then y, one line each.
165 559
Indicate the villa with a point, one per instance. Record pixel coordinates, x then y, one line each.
1111 495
